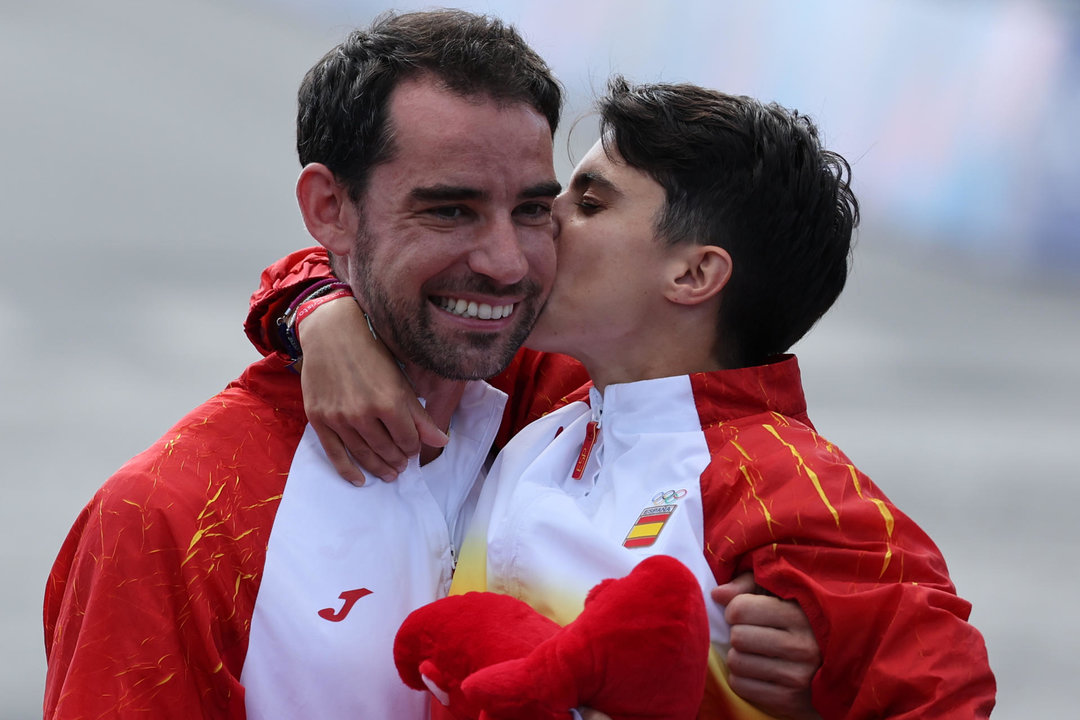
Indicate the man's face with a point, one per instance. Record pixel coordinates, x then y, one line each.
607 289
455 256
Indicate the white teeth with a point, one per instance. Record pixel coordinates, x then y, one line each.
472 309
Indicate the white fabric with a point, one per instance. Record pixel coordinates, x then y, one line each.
391 545
550 538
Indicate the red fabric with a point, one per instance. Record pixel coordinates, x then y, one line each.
148 605
536 382
449 639
784 502
279 285
638 650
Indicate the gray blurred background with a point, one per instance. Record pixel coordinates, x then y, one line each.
148 170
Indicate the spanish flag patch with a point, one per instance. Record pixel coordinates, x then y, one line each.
648 526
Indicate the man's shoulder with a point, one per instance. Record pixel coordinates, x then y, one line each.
237 444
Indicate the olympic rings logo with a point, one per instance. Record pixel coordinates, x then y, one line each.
668 497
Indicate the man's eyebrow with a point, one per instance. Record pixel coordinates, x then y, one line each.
550 188
593 179
445 193
453 193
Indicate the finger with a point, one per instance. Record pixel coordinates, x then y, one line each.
338 455
398 429
773 643
429 432
370 438
723 594
776 671
374 451
775 700
351 454
766 610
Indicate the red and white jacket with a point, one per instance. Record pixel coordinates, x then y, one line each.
228 572
724 471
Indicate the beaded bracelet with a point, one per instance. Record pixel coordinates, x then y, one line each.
288 322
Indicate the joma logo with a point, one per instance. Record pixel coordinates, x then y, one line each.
350 597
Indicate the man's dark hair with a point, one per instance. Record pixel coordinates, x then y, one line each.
342 118
753 179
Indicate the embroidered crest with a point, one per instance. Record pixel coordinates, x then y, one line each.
652 519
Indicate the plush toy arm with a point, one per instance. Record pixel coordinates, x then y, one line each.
514 690
435 681
441 643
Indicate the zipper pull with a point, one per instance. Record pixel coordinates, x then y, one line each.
591 431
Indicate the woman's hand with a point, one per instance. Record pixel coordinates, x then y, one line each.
356 397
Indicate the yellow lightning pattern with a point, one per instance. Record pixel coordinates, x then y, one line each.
801 464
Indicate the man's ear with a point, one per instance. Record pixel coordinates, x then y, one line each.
699 273
329 213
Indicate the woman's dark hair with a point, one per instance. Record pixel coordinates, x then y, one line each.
751 178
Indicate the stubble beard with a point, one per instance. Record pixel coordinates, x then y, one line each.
408 327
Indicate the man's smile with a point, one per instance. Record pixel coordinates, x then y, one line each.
472 309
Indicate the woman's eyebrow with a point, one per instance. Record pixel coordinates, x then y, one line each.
592 178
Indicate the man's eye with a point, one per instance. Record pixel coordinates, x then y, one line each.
533 214
534 209
588 206
447 212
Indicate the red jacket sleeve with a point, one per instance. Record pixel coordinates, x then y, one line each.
894 635
129 633
279 284
149 602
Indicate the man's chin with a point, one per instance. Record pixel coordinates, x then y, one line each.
481 357
481 370
459 354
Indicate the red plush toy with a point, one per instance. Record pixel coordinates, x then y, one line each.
638 650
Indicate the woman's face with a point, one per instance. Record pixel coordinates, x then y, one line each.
608 260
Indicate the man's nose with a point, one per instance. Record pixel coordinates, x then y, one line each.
500 255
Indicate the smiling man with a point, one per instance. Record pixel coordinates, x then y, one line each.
452 231
449 248
227 571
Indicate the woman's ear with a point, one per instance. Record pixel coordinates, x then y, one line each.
700 272
329 213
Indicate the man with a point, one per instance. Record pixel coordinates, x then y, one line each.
227 571
697 241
